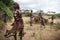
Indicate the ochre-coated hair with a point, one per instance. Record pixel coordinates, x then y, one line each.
16 6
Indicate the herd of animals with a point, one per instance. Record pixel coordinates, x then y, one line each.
18 25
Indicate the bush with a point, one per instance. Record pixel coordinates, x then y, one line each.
2 25
57 26
26 13
3 9
58 15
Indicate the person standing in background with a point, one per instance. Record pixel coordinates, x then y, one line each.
5 17
31 18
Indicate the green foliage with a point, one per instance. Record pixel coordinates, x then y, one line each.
58 15
2 25
1 12
26 13
48 14
7 2
6 9
5 6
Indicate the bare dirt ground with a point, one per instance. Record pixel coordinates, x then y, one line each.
39 33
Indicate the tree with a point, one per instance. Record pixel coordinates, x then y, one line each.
8 2
6 9
5 6
26 12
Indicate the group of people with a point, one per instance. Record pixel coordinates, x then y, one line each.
18 24
40 19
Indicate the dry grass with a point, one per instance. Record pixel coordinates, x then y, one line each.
40 33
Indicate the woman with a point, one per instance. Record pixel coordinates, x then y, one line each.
18 25
18 21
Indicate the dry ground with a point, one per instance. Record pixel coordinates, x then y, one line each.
40 33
